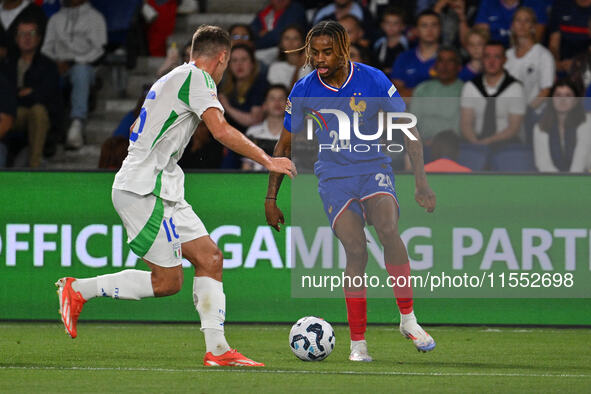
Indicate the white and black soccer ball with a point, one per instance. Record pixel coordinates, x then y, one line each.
311 339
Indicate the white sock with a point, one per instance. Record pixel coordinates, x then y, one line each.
210 302
358 343
408 317
125 285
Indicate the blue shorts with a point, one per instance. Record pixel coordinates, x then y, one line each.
340 194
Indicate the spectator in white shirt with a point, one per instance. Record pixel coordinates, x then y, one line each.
75 40
266 134
529 61
493 103
562 138
290 66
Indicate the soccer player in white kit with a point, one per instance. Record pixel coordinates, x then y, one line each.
148 195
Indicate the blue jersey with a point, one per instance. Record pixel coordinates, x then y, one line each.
410 68
363 84
499 17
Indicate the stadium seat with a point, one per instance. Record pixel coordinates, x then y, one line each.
473 156
513 158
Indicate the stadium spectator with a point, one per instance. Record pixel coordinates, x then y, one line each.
580 71
119 17
387 48
36 80
241 34
290 66
475 41
273 19
242 94
162 26
354 29
445 149
436 102
174 58
266 134
530 63
339 8
562 138
568 31
496 17
7 115
360 54
113 152
243 90
416 65
76 36
493 103
11 12
454 21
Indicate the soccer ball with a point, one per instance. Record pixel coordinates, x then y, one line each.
311 339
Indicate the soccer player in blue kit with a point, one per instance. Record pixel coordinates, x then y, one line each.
354 186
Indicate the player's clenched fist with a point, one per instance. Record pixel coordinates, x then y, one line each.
282 165
273 214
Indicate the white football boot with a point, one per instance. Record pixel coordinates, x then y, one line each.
410 329
359 351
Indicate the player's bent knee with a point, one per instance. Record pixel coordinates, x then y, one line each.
216 260
387 232
356 250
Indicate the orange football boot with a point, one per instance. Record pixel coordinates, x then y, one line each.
71 303
229 359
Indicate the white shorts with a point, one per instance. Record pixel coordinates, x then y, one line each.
156 228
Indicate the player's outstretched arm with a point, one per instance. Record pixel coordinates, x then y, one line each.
423 193
272 212
236 141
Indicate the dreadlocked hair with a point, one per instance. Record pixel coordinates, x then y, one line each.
332 29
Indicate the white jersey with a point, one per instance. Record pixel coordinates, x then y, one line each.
170 114
535 69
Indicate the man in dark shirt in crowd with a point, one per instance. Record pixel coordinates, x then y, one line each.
36 80
11 13
569 31
7 115
273 19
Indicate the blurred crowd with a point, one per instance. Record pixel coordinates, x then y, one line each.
496 85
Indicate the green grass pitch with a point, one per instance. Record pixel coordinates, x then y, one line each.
109 357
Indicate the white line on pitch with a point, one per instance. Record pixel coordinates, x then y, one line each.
279 371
